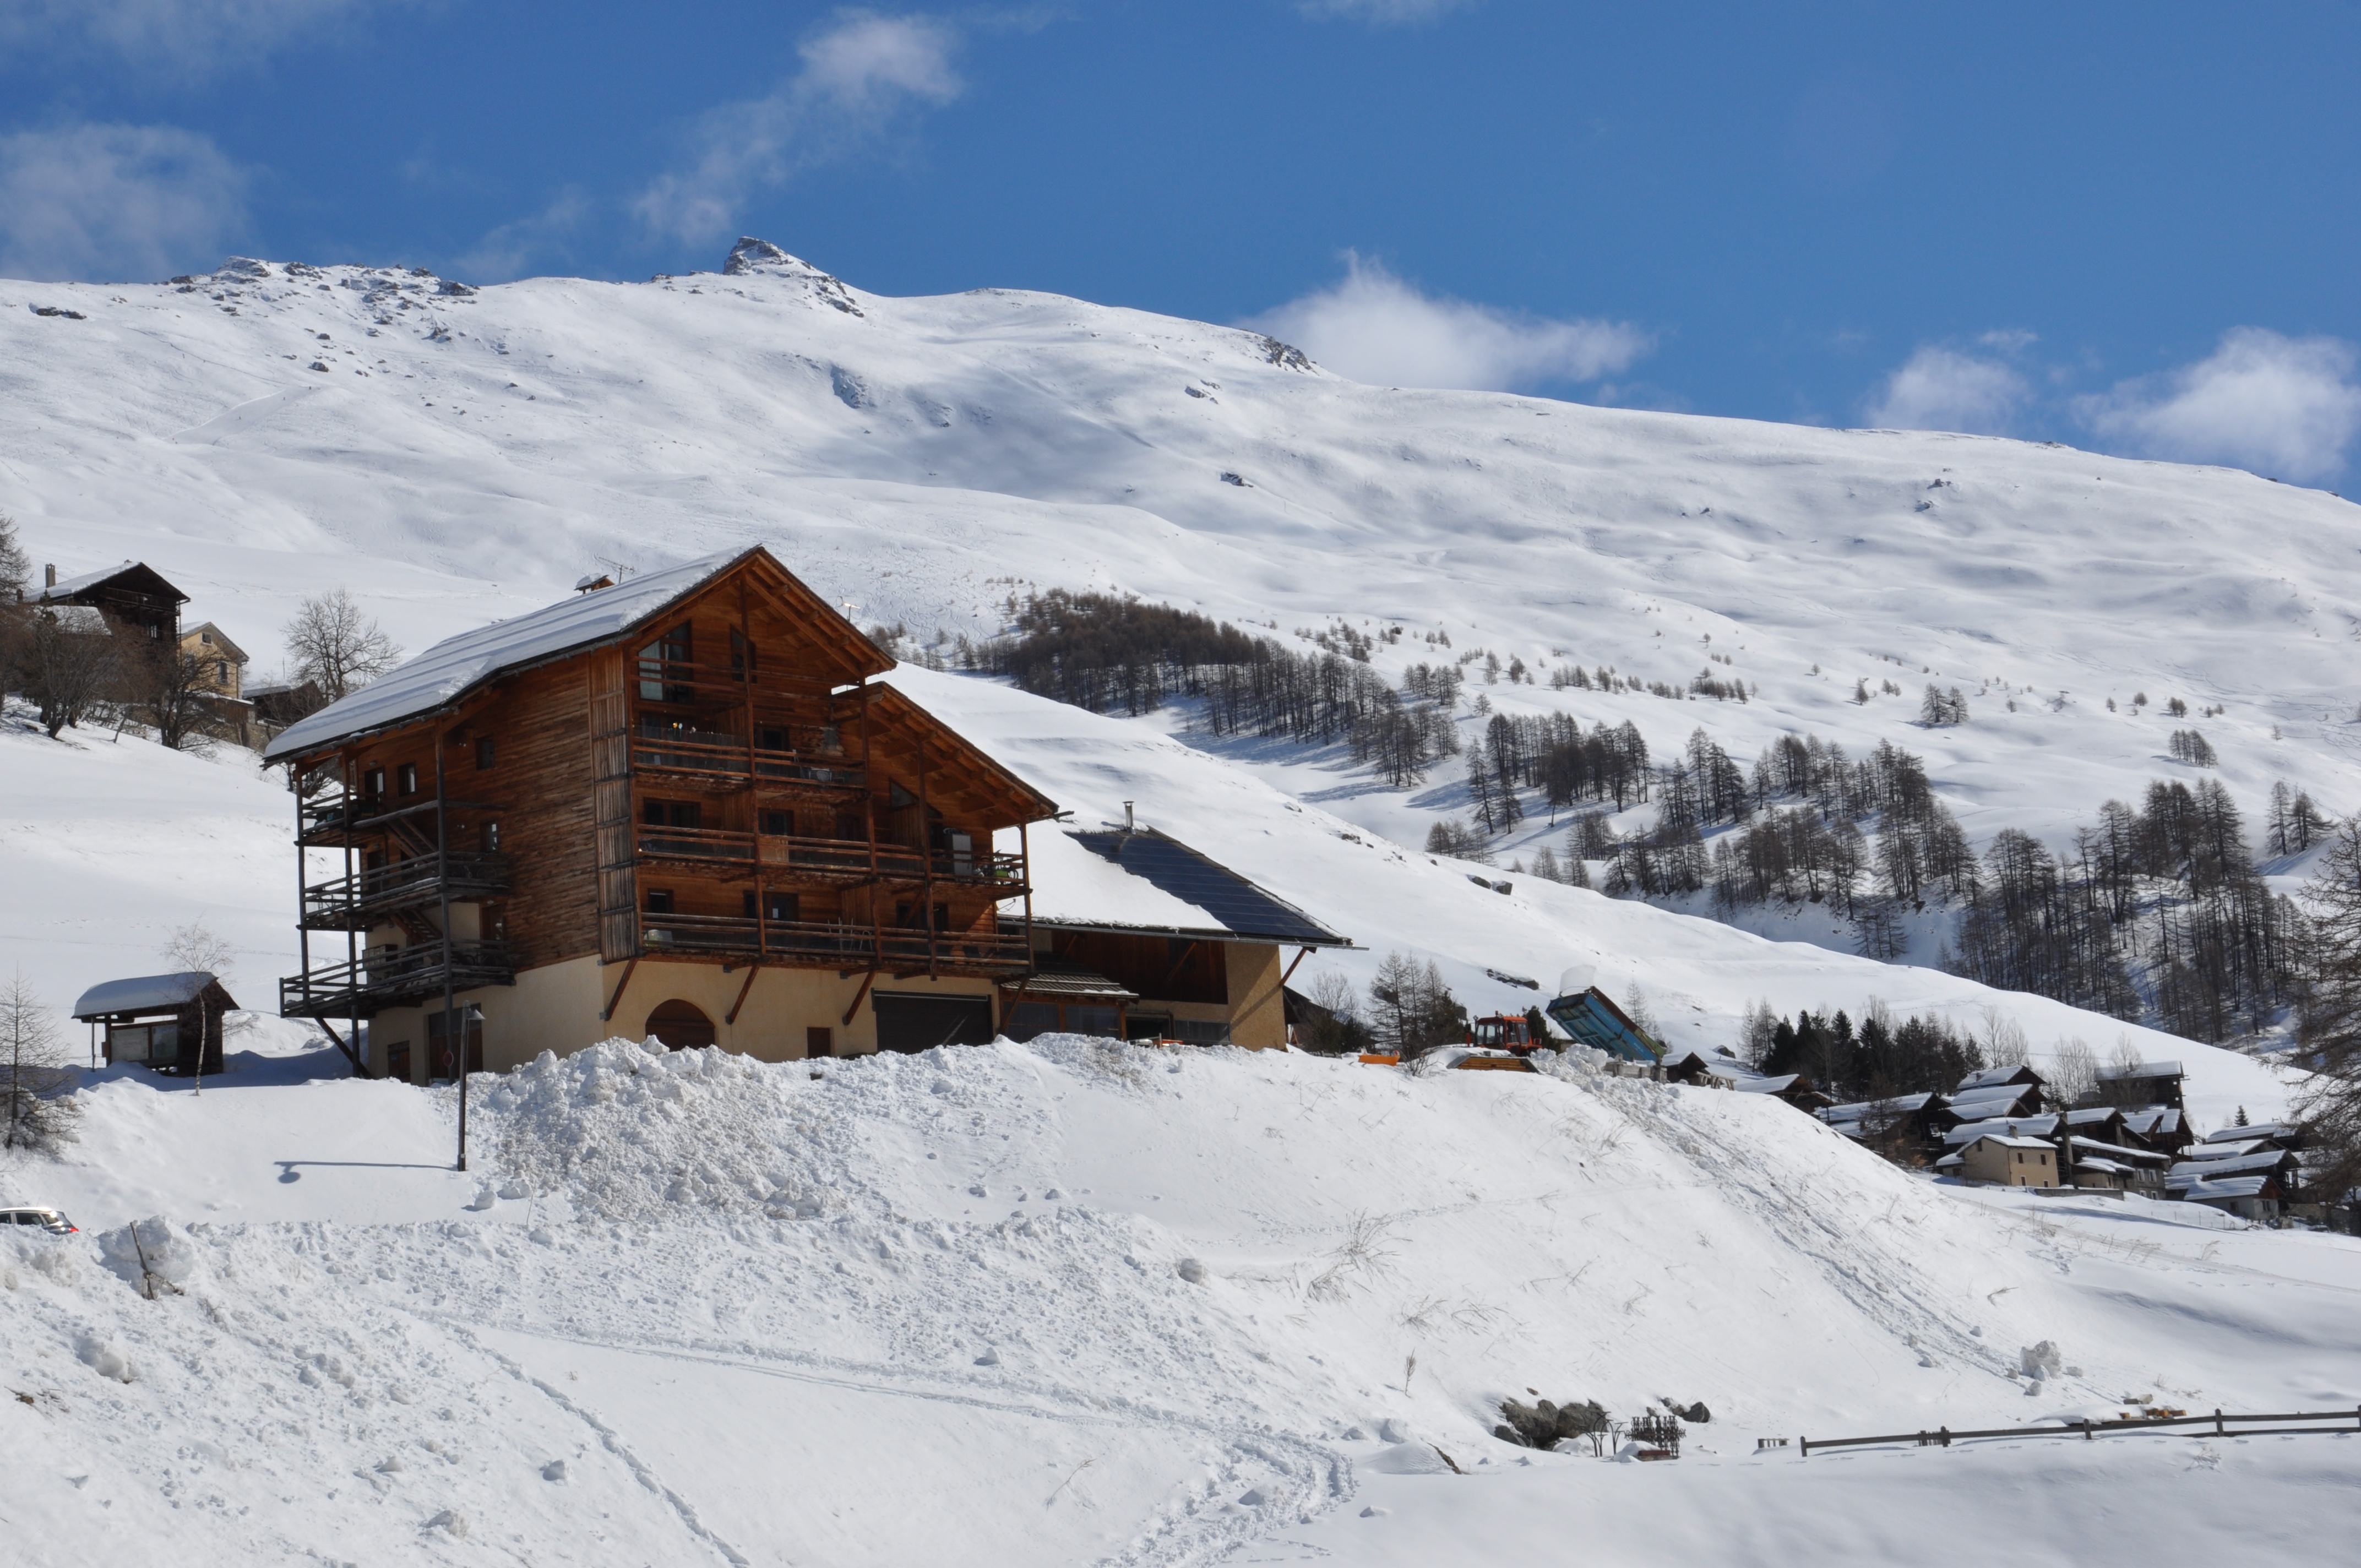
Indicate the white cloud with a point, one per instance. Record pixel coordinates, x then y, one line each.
179 36
1374 327
1941 389
2282 406
115 202
507 251
859 78
1383 13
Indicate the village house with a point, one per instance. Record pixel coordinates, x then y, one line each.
133 595
2003 1161
1137 936
2153 1084
172 1022
1721 1069
683 806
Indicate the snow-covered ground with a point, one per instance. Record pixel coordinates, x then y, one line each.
936 1306
1077 1301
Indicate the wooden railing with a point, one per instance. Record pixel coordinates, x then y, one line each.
2215 1425
361 900
713 754
827 856
391 976
849 947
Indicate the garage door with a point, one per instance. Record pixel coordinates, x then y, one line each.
920 1023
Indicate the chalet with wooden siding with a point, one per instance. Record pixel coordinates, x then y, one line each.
681 805
134 596
1137 934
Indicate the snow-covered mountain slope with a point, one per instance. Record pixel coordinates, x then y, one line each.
457 456
1076 1302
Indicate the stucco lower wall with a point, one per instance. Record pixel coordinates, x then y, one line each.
555 1008
1257 1007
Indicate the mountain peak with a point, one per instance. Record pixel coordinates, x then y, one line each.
752 258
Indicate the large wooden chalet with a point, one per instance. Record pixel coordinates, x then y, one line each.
683 806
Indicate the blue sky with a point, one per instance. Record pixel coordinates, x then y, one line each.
2127 227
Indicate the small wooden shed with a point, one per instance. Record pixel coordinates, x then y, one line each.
159 1020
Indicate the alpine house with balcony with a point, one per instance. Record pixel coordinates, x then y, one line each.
681 807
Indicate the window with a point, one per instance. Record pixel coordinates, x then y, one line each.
660 901
819 1042
405 778
206 638
492 834
373 782
221 669
775 906
741 656
665 675
485 752
774 737
672 813
779 824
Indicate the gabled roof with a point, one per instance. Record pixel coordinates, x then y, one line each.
132 576
1142 880
2041 1127
144 993
457 666
2240 1165
2002 1140
221 642
1993 1077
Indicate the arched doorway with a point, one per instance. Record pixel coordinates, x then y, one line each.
682 1025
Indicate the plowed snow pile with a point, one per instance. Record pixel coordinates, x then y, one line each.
1077 1301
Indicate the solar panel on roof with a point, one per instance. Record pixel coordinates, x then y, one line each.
1238 904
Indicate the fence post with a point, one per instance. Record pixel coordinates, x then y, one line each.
1947 1437
2217 1420
1803 1446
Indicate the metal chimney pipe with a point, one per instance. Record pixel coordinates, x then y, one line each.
50 576
1129 826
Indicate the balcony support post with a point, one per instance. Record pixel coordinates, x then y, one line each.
927 856
353 943
866 981
869 831
751 970
442 885
606 1013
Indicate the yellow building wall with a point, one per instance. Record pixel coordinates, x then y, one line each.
555 1008
1257 1010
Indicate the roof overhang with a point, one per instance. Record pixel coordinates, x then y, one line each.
1189 933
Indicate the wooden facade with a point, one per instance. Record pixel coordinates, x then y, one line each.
715 826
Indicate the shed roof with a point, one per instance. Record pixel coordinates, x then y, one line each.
1993 1077
2241 1165
143 994
1062 979
2260 1130
1142 880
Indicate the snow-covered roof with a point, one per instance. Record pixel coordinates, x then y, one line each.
2002 1140
2213 1169
143 994
2211 1150
455 663
2152 1121
1144 881
66 588
2144 1070
1988 1102
83 619
2145 1155
1993 1077
2226 1187
2003 1126
1900 1105
2260 1130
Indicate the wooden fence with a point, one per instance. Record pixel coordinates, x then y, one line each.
2218 1424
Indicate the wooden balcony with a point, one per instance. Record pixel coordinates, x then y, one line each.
716 756
843 860
394 977
733 939
367 898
